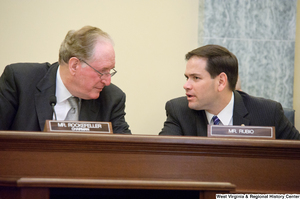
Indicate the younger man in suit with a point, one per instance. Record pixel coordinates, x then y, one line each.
86 65
212 73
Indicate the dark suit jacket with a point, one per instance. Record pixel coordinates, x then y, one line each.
25 89
248 110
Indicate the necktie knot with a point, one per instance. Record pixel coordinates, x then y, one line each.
73 102
216 120
73 112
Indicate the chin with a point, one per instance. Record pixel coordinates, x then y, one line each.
96 96
191 106
194 106
93 96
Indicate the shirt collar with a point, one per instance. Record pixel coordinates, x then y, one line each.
62 92
225 115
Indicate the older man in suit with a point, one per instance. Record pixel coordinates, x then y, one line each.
86 65
212 73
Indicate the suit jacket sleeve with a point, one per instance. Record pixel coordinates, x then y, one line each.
284 128
8 99
18 88
119 124
109 107
172 124
256 111
181 120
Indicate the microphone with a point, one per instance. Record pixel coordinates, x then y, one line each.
52 101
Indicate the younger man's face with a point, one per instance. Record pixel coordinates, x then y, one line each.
201 89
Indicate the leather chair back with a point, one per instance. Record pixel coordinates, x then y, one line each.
290 114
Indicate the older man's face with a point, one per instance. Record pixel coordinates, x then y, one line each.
89 82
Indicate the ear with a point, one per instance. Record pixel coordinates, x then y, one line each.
222 81
73 65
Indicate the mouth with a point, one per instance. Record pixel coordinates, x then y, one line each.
99 89
189 96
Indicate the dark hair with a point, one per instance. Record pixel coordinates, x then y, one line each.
219 60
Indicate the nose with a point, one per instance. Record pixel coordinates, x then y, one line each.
187 85
106 80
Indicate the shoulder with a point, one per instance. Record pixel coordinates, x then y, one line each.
180 101
23 67
112 90
31 70
255 102
112 94
179 106
256 108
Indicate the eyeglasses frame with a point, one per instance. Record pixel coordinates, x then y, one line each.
101 74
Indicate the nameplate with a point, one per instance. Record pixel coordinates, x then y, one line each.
78 126
264 132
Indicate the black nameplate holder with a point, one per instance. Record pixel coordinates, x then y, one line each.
258 132
78 126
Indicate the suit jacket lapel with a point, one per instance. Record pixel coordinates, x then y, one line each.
239 115
44 89
89 110
239 111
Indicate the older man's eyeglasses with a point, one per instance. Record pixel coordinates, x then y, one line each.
111 73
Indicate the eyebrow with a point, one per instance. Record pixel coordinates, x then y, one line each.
193 74
107 68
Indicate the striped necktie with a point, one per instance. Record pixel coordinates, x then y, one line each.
216 120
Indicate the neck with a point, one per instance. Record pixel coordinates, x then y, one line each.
220 103
65 76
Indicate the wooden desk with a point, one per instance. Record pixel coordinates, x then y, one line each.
40 188
254 166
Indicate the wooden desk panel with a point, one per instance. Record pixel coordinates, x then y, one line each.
40 188
257 166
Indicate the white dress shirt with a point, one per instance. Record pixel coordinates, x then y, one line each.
225 116
62 94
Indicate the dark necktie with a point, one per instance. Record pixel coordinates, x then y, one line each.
216 120
73 113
